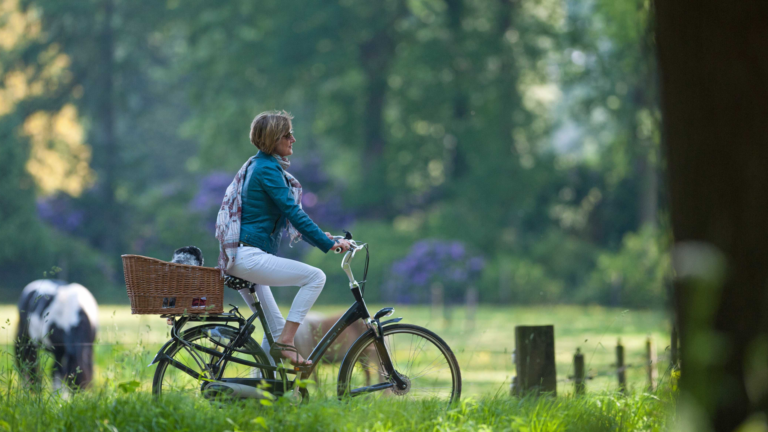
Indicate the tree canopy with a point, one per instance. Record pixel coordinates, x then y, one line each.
525 130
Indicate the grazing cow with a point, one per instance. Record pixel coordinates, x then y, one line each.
314 328
61 318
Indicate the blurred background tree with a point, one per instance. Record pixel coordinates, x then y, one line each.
525 131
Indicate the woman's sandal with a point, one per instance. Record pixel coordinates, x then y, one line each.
276 351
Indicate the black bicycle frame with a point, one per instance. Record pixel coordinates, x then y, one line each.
357 311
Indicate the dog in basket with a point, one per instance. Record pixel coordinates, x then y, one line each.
189 255
192 255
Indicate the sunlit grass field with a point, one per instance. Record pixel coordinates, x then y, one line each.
127 343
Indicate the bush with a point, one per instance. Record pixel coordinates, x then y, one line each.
431 262
635 276
519 281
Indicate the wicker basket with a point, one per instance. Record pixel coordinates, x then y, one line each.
159 287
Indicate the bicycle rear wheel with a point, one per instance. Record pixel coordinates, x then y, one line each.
421 357
187 375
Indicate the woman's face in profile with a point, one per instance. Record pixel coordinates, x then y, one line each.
285 145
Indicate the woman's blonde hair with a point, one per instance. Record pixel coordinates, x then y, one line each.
267 129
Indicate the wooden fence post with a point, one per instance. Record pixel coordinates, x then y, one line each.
438 316
673 353
513 390
578 372
471 308
650 358
621 372
505 278
535 360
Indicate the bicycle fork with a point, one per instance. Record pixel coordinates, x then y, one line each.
392 375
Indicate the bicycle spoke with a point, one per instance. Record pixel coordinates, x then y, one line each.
184 373
429 366
422 361
371 367
393 350
421 341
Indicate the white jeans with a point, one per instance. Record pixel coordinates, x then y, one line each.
257 266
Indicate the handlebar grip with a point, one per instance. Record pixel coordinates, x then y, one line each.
338 250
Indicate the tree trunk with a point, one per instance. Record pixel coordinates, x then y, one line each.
454 163
508 75
376 54
107 146
714 101
649 190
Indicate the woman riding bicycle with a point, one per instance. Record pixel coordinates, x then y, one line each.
262 200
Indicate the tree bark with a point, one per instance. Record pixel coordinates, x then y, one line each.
454 163
376 54
714 101
108 155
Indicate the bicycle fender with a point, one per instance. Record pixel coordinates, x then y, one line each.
221 332
162 351
392 321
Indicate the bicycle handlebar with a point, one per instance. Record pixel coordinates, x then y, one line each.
353 244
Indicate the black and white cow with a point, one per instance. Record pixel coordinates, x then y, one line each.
61 318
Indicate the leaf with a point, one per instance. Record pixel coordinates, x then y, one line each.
129 386
265 402
260 421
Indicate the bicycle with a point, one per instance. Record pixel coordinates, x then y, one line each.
217 359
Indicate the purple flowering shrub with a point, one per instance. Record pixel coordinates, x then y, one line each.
210 193
59 212
434 261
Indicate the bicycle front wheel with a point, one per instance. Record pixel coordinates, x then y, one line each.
424 361
187 367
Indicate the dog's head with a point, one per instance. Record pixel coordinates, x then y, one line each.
189 255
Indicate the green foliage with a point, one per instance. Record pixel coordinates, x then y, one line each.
104 410
522 281
18 255
637 275
436 118
128 386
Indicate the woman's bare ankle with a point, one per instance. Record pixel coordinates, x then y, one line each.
285 342
291 355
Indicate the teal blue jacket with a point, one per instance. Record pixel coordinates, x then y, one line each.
267 203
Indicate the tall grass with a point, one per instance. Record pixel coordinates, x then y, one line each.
120 399
107 410
113 406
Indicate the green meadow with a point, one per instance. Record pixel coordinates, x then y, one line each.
126 344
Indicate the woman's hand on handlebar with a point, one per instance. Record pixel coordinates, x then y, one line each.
341 246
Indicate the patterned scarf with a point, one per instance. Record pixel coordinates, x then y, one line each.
231 212
296 192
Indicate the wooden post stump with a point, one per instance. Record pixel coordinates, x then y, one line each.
650 358
579 379
535 360
437 312
505 283
674 357
620 371
471 308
